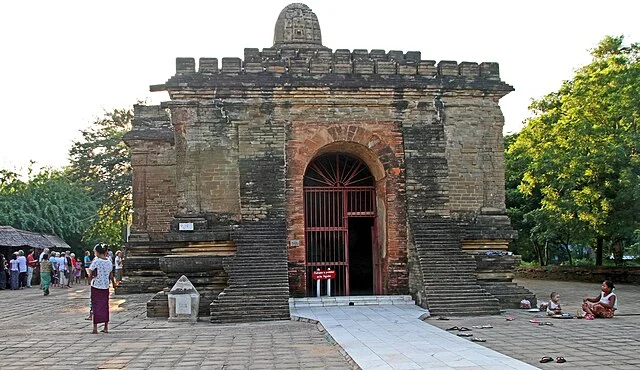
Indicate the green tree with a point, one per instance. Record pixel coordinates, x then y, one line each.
102 162
49 202
582 149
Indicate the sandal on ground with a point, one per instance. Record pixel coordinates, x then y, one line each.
548 323
510 318
462 328
88 318
546 359
560 359
534 321
478 340
465 335
442 318
452 328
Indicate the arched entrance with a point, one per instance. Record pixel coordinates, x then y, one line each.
340 224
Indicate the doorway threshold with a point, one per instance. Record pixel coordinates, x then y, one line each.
363 300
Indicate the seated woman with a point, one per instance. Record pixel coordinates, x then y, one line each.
601 306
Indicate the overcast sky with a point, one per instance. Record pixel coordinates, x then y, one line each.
64 63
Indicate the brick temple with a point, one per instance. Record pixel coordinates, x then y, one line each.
379 165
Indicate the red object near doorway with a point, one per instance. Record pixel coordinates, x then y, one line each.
323 274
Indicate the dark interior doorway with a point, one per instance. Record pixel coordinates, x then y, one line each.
360 255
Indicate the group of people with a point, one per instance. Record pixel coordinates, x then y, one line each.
603 306
16 272
57 269
62 269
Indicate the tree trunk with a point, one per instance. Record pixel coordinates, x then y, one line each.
599 244
536 246
546 252
618 252
566 246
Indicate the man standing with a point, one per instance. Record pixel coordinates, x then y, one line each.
22 269
31 265
118 261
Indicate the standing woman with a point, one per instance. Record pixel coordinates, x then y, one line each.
15 272
45 273
3 272
102 274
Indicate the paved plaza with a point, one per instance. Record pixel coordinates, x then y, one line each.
49 332
601 343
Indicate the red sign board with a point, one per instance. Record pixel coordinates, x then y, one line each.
323 274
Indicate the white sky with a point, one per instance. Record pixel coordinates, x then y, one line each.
64 63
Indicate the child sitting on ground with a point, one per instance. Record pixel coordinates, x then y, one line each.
554 305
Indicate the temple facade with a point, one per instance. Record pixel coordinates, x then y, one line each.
379 168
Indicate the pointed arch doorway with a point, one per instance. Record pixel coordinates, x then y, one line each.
340 225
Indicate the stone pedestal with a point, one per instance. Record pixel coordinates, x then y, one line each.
495 272
184 301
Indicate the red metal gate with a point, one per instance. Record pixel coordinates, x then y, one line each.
336 187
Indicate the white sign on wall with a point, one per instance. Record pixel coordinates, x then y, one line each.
185 226
183 304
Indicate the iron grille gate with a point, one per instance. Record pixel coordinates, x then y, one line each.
327 211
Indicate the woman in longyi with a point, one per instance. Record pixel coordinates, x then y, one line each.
101 274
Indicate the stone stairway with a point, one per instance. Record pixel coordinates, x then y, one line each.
258 287
450 284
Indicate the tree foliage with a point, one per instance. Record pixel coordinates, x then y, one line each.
102 163
578 158
49 202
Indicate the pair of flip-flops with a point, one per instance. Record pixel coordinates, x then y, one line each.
559 359
461 328
534 321
482 326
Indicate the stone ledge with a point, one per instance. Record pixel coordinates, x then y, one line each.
592 274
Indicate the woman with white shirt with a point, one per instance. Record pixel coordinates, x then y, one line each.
602 306
101 274
14 271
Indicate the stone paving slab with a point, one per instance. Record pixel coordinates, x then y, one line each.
52 333
601 343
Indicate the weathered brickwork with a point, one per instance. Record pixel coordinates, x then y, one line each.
225 159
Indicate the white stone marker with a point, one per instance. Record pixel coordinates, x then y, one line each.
184 301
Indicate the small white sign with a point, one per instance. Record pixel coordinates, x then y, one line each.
294 243
185 226
183 304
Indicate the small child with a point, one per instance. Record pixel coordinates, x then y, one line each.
554 305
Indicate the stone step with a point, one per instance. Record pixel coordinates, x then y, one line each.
239 303
229 318
351 301
469 298
253 292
